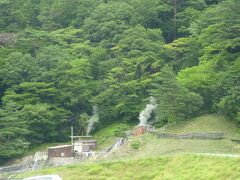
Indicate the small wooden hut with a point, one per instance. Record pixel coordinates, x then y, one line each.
139 130
60 151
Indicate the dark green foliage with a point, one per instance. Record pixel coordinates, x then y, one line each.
81 123
13 132
18 14
217 75
51 120
67 56
121 131
136 145
230 102
18 68
14 148
11 125
174 102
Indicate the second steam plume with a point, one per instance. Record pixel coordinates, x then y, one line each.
93 120
145 114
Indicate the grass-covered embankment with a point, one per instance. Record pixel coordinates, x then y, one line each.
168 167
149 145
107 136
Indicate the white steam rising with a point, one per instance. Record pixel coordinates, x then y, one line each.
94 119
146 113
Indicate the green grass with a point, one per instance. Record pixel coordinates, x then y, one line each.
206 123
149 145
147 157
106 136
178 167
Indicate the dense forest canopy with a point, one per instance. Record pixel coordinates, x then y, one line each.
58 58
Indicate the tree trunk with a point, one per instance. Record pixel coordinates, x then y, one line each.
174 18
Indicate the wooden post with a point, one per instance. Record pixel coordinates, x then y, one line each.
72 135
72 139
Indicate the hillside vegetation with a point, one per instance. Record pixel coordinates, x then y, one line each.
66 62
108 135
147 157
151 146
206 123
177 167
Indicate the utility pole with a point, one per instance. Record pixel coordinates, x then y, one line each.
72 139
72 135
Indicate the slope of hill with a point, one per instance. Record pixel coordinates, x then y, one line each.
147 157
177 167
62 62
150 145
206 123
107 135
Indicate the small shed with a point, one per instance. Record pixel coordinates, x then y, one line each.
60 151
85 145
139 130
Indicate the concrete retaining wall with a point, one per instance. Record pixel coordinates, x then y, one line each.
17 168
200 135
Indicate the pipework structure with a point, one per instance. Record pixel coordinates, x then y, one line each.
83 146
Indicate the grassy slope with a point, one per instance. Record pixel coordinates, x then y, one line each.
163 158
175 167
206 123
106 136
149 145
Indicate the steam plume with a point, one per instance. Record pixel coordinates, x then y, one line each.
146 113
94 119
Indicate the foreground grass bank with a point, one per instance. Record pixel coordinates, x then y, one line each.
171 167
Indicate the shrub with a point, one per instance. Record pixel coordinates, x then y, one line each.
136 145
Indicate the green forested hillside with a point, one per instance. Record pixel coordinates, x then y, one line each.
59 58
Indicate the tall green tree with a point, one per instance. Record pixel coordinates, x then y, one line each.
174 102
13 131
51 119
18 68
